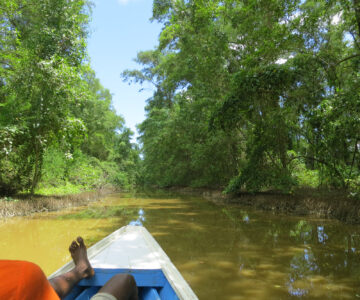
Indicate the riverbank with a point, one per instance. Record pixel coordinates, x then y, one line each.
319 203
24 205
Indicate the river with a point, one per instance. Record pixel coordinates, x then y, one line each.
224 252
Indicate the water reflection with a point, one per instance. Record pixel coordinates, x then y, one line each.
322 236
141 218
310 258
303 267
223 252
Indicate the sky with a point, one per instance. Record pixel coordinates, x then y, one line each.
119 29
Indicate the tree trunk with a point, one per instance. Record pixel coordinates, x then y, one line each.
38 167
357 14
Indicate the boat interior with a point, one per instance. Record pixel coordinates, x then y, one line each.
152 284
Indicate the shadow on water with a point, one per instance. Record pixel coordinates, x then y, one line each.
223 252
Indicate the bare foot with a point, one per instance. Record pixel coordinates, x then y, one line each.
79 256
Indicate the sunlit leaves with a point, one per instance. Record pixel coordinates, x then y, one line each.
43 45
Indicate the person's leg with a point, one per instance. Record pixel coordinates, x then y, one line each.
122 287
63 284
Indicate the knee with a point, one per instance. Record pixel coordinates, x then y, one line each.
125 278
121 286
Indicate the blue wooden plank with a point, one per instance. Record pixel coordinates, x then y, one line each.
149 294
88 293
167 292
143 278
76 291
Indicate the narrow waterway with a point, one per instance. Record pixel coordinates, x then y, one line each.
223 252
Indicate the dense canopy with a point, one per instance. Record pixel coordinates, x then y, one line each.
248 96
253 95
56 120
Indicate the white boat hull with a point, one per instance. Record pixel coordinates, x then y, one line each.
132 249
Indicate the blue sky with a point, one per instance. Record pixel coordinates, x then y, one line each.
119 30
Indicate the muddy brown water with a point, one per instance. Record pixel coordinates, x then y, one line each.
224 252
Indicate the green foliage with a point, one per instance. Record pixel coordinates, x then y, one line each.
59 190
113 174
43 45
85 171
55 166
304 176
69 173
57 123
254 95
177 137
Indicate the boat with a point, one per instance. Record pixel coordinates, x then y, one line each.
131 249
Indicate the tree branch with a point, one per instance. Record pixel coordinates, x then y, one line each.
357 13
353 160
347 58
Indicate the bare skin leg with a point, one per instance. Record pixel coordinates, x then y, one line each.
122 287
63 284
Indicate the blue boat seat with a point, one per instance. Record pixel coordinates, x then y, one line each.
152 284
144 293
149 294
